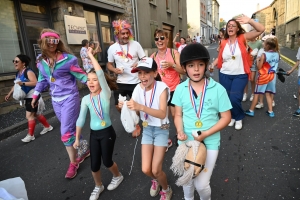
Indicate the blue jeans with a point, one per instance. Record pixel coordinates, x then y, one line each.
234 85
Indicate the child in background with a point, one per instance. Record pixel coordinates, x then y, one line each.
150 98
297 112
264 84
200 112
103 136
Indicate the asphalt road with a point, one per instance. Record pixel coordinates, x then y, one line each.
261 161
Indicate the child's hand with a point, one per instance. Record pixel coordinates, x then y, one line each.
181 136
132 105
76 144
289 72
200 137
120 104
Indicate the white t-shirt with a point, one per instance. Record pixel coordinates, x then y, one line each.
198 39
260 52
230 66
298 58
138 96
181 47
124 59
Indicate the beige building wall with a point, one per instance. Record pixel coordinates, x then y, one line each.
193 17
292 21
216 16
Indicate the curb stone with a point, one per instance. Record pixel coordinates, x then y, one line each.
287 60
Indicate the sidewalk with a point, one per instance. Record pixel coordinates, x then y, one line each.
288 55
15 121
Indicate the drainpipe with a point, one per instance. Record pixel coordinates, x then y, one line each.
135 19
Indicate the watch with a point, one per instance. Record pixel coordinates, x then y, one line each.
174 66
23 83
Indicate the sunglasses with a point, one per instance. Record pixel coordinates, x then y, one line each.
160 37
15 61
52 41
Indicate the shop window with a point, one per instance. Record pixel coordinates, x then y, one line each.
33 8
10 36
92 28
106 34
104 18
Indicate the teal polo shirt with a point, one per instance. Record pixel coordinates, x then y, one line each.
216 101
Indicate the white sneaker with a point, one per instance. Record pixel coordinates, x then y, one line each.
259 105
96 192
238 125
28 138
115 182
231 122
251 97
244 97
273 103
45 130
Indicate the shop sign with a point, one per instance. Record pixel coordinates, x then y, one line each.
76 29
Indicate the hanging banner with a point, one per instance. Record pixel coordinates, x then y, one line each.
76 29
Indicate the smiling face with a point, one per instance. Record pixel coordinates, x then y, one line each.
51 44
93 83
19 65
232 28
147 78
195 69
123 36
182 41
161 41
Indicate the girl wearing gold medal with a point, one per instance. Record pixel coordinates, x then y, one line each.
150 99
199 101
103 136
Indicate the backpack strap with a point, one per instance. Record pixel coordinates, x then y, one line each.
173 55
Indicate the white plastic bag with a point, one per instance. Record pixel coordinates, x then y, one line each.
13 187
129 118
41 106
18 94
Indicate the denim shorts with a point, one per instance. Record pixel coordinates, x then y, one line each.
155 135
299 80
253 68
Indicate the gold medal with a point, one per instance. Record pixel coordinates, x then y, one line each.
233 57
198 124
126 60
145 123
103 123
52 79
163 73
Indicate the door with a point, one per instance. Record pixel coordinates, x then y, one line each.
169 30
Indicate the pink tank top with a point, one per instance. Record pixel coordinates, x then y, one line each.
169 76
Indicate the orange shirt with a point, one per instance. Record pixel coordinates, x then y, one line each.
169 76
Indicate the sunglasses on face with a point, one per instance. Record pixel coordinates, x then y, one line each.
15 61
160 37
52 41
231 26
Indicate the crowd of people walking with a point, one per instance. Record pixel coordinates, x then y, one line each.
154 88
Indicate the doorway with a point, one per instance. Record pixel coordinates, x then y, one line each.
169 30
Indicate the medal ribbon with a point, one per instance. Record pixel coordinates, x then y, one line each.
192 97
100 112
123 50
151 98
232 47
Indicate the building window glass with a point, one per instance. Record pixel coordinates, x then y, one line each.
33 8
92 28
104 18
10 36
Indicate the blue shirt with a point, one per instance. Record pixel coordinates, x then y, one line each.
273 59
216 101
86 104
26 89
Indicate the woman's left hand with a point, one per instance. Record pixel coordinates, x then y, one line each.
132 105
243 19
20 83
166 64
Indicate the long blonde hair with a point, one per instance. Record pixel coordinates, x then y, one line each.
43 44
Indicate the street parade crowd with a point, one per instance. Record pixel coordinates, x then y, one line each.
152 89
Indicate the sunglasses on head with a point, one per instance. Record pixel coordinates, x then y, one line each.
160 37
52 41
15 61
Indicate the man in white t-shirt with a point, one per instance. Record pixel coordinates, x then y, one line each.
125 53
86 61
198 38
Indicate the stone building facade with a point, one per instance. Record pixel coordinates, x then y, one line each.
284 15
22 21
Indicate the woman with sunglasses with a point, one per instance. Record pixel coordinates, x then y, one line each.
169 67
27 80
234 63
59 69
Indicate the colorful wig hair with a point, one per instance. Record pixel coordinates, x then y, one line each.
120 25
